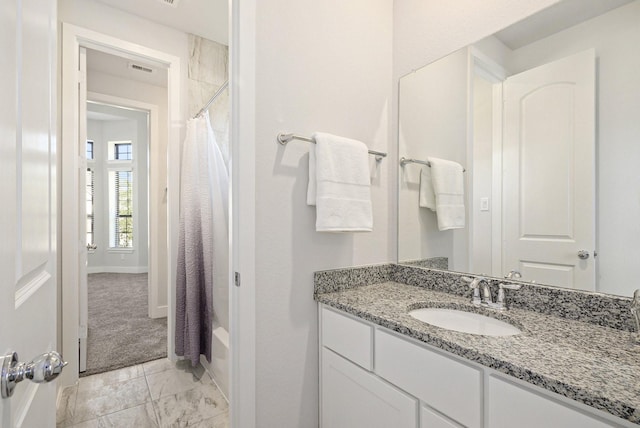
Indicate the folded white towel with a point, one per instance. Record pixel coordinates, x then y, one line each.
448 186
341 190
427 197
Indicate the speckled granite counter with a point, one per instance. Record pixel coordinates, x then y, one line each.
596 365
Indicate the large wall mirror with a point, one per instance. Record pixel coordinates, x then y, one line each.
544 117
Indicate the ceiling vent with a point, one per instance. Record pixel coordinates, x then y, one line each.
141 68
173 3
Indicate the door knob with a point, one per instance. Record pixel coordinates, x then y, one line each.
583 254
43 368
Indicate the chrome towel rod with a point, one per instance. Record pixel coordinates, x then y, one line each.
212 99
404 161
285 138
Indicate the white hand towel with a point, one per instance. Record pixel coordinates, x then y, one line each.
427 197
342 185
313 184
448 186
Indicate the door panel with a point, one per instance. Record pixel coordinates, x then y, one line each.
549 201
28 159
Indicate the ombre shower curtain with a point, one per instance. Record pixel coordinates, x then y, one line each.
203 222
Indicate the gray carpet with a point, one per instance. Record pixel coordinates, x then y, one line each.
120 332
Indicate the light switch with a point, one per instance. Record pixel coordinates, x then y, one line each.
484 204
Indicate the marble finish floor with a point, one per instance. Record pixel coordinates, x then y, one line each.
154 394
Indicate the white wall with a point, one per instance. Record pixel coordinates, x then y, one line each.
425 30
319 66
615 37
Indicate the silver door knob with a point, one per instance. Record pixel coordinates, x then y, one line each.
43 368
583 254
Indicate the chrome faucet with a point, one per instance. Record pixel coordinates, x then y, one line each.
482 293
475 285
635 311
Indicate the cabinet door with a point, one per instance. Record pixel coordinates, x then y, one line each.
430 419
354 398
514 406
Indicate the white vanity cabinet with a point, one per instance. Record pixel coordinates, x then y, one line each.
373 377
352 396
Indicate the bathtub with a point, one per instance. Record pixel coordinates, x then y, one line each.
219 366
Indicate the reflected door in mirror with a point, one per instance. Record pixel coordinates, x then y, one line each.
549 174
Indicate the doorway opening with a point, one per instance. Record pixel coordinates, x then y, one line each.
121 327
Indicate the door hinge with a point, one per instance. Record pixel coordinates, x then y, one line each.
236 279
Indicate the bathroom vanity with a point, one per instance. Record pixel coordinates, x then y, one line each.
380 367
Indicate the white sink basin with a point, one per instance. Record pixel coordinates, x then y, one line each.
465 322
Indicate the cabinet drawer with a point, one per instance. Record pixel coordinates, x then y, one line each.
348 337
511 405
452 388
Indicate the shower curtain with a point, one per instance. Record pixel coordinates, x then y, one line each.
202 240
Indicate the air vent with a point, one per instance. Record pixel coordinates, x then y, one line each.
173 3
140 67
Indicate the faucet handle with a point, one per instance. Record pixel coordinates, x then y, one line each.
509 286
501 302
514 274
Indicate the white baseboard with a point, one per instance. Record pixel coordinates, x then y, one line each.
117 269
158 312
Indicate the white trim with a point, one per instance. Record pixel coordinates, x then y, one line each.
73 37
26 291
118 269
484 67
242 311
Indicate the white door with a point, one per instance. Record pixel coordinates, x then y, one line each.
28 193
549 172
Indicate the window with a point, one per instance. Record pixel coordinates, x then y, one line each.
121 208
89 150
90 195
123 151
120 150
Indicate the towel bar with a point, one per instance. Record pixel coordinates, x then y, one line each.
285 138
404 161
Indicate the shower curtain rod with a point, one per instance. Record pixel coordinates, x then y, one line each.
212 99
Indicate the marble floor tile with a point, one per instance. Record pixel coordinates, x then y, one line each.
67 405
143 416
187 408
164 364
170 382
111 398
97 381
93 423
220 421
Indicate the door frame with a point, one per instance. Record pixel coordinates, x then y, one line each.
485 67
74 37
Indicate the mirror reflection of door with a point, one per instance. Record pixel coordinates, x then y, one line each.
549 172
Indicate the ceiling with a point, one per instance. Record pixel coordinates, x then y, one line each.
560 16
118 66
204 18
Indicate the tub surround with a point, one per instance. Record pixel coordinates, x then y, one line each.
574 343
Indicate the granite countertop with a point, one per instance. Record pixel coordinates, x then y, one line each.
598 366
